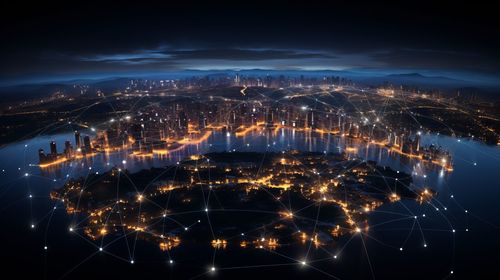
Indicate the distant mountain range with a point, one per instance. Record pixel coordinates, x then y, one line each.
369 77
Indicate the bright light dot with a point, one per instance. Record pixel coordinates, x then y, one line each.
132 261
425 245
358 229
124 161
401 249
31 196
466 211
26 174
171 261
206 209
335 256
303 263
475 164
212 268
100 249
45 248
70 229
453 231
186 228
451 272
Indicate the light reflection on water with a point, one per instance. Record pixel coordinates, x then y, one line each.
465 153
473 183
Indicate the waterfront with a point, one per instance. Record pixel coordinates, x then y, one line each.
473 185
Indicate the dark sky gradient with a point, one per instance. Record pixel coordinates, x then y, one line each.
52 40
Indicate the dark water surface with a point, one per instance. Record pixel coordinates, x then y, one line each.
467 202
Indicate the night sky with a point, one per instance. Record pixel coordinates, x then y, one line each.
92 39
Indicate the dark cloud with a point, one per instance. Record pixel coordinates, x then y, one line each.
437 59
249 54
71 38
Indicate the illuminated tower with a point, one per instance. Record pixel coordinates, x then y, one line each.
41 155
77 139
53 148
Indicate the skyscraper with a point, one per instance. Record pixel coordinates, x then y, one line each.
77 139
86 143
53 148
